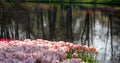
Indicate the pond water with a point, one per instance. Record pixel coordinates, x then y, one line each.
87 24
102 41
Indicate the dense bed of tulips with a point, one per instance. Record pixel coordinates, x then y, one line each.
44 51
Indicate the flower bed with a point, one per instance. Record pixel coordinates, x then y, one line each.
44 51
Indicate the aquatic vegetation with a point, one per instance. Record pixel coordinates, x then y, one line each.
44 51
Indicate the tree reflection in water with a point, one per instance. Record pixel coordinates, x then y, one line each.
62 22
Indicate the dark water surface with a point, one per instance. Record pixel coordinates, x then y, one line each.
86 24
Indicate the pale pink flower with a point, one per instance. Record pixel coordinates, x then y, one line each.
74 47
55 61
43 50
2 62
92 49
27 40
74 55
29 60
73 60
80 48
96 52
85 48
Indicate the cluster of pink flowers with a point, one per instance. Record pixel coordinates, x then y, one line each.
44 51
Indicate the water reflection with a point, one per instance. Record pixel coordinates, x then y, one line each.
79 24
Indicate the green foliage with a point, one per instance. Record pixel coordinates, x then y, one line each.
88 57
96 1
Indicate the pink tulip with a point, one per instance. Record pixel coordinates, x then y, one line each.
27 51
74 55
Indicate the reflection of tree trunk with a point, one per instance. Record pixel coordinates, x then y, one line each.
2 31
61 27
94 16
2 28
110 19
16 31
108 31
1 20
28 26
82 35
7 33
42 25
87 20
28 36
52 21
69 35
38 23
88 28
91 28
12 34
4 22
